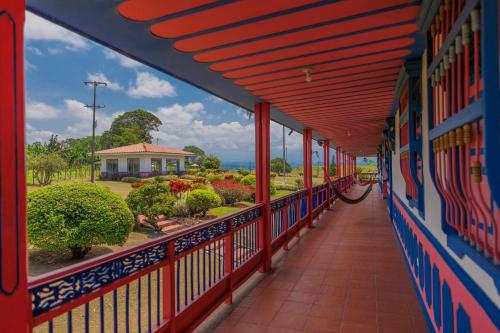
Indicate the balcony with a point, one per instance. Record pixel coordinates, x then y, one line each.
345 273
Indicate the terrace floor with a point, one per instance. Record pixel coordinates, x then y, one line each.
346 275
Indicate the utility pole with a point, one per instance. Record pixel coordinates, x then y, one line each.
94 107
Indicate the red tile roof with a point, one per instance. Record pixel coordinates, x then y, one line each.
142 148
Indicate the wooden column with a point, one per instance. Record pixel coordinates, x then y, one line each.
307 147
15 304
263 174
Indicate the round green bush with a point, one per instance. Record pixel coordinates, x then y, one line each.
77 216
151 200
214 177
251 181
131 179
200 201
199 186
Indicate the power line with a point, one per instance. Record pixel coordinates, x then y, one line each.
94 107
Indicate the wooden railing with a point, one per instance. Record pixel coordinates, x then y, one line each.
173 282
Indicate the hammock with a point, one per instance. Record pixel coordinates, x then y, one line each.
349 200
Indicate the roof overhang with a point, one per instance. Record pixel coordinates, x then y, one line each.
353 48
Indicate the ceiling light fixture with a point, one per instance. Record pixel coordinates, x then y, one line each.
307 71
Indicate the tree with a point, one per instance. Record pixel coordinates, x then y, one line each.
77 216
35 149
199 154
54 145
277 165
131 127
151 200
211 162
45 166
333 168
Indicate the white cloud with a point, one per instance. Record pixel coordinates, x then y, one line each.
37 28
54 51
150 86
33 134
183 125
73 114
28 65
34 50
100 77
215 99
123 60
40 110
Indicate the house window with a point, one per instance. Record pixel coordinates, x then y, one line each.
172 166
156 166
112 167
133 166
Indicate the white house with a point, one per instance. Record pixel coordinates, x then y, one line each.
141 160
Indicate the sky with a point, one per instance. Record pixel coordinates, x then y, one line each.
57 62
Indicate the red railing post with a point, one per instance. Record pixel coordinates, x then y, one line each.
228 256
15 303
285 226
169 287
307 148
263 173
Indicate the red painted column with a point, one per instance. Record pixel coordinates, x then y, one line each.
326 169
15 304
263 174
307 147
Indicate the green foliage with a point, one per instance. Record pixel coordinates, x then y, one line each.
129 128
131 179
168 178
199 186
333 168
45 166
277 165
249 180
244 172
300 183
213 177
211 162
77 216
200 201
151 200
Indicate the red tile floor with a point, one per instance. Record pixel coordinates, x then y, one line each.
345 275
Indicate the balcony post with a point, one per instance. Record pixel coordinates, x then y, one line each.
15 303
307 149
326 168
262 175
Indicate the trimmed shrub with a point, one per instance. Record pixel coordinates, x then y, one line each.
168 178
299 182
199 186
151 200
237 178
188 177
131 179
286 187
77 216
228 176
214 177
200 201
200 180
244 172
232 191
137 184
251 180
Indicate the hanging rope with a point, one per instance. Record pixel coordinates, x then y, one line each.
349 200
